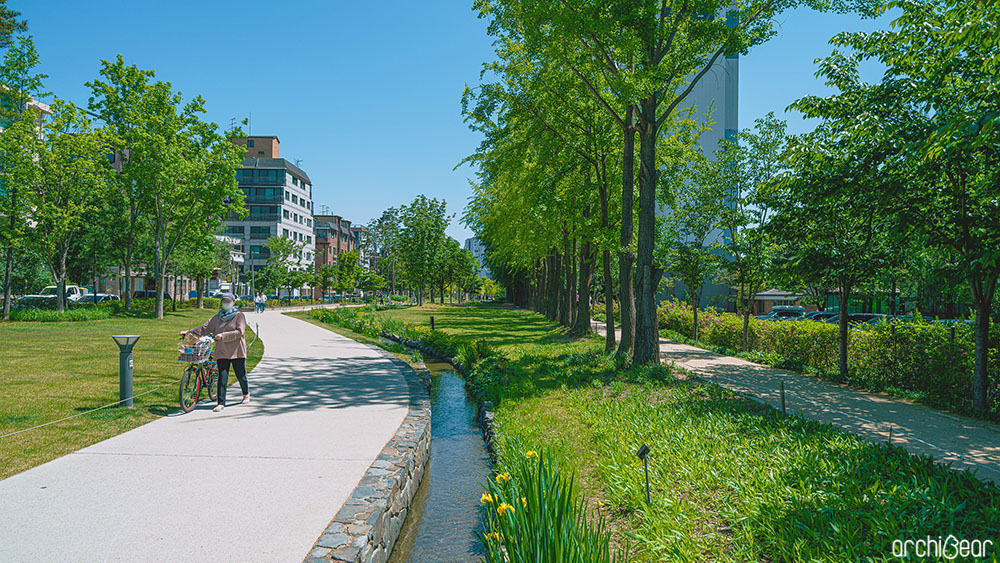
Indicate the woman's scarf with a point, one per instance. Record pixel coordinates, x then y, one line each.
228 316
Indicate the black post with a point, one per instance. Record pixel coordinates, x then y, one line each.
432 322
125 344
952 333
783 399
643 453
125 377
890 434
645 466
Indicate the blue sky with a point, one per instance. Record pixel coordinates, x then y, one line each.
366 94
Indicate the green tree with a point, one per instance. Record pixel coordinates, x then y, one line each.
72 171
937 109
282 259
19 142
420 239
743 168
325 278
176 169
829 216
347 271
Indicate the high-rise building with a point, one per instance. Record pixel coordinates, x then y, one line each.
718 91
478 250
279 200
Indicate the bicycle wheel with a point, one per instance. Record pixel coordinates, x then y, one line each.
190 387
212 380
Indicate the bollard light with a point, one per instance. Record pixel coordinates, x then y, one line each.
643 454
125 344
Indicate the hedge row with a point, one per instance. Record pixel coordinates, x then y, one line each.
915 358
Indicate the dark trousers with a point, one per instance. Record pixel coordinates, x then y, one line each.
240 367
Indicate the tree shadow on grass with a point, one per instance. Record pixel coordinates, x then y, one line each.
821 493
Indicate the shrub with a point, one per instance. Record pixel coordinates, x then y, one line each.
70 315
533 513
914 358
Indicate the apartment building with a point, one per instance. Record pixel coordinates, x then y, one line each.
478 250
333 237
279 200
360 235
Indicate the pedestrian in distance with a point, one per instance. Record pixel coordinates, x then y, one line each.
258 308
263 301
228 326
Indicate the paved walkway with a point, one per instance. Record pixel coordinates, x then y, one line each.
964 442
254 483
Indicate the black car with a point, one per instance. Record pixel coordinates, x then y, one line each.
150 294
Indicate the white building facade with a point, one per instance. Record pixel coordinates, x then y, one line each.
717 92
279 200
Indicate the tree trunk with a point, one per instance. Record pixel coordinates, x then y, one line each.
646 349
61 293
200 288
173 302
8 268
983 288
574 293
128 279
609 305
694 310
96 290
626 260
582 324
845 295
158 276
566 284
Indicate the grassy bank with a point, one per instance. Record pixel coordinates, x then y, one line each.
49 371
730 479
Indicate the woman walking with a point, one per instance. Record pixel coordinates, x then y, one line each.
228 326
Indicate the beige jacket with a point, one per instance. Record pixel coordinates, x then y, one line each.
232 345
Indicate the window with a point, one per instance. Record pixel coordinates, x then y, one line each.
284 233
295 198
309 239
309 222
295 180
260 152
234 230
284 213
250 143
287 197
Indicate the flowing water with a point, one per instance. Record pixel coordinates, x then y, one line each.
444 514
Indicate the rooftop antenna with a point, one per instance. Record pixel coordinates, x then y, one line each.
324 209
232 123
250 125
298 162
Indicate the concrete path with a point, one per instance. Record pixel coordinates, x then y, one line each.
964 442
254 483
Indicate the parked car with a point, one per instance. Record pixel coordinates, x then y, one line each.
150 294
94 298
819 316
73 292
784 313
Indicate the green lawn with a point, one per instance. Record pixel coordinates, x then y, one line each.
49 371
730 480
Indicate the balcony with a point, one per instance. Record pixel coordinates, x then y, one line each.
269 217
263 200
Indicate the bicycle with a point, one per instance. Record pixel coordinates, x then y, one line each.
201 371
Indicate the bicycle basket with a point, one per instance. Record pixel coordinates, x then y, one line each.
197 352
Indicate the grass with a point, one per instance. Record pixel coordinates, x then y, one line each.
49 371
731 480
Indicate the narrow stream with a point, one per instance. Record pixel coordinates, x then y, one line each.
444 514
